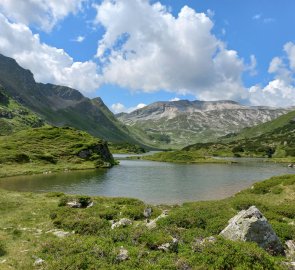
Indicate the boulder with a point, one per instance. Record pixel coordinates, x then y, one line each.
250 225
122 223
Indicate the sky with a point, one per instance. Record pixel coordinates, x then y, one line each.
135 52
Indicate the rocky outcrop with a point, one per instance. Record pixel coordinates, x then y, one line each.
250 225
98 150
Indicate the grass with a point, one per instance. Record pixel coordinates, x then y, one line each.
183 157
27 219
126 148
15 117
45 149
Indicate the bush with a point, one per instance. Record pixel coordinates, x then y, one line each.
226 254
84 200
2 249
283 230
22 158
63 201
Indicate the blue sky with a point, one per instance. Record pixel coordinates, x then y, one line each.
151 51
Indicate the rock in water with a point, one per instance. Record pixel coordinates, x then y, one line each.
250 225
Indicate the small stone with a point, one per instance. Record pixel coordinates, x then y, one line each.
147 212
38 262
74 204
60 233
153 223
201 242
171 246
123 255
90 205
124 222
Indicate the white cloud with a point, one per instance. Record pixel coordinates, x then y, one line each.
119 107
251 68
281 90
210 13
48 64
260 17
79 39
256 17
146 48
175 99
43 14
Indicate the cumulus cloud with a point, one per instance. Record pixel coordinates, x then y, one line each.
119 107
279 92
146 48
43 14
48 64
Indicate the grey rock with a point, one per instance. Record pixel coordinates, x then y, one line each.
38 262
147 212
124 222
201 242
290 251
60 233
123 255
153 223
74 204
250 225
171 246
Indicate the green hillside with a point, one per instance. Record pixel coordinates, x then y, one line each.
261 129
15 117
50 149
274 139
61 106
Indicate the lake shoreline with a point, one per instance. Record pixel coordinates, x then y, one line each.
43 227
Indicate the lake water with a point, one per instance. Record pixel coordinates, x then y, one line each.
154 182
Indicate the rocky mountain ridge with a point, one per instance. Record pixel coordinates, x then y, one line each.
185 122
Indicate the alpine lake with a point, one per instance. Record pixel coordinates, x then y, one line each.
154 182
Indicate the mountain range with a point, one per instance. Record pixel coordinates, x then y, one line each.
183 122
172 124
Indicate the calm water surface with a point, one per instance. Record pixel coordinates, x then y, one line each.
154 182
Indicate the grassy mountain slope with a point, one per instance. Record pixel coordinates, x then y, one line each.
52 149
261 129
276 139
61 106
15 117
29 221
